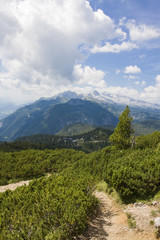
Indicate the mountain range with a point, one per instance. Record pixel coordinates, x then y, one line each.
50 115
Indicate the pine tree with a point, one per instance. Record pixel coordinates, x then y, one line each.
122 134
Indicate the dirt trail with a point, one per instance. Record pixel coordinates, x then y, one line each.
13 186
111 223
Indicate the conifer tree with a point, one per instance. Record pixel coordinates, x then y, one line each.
122 134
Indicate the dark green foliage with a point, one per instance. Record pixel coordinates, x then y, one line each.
133 173
88 142
148 141
57 207
43 141
49 208
121 137
34 163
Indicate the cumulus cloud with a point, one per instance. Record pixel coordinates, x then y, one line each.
151 93
132 70
42 43
141 32
122 91
158 79
40 40
87 76
114 48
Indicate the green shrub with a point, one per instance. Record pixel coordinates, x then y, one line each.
56 207
102 186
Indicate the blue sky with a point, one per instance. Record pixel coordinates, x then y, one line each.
146 56
51 46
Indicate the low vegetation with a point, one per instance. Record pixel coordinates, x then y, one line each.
57 207
131 220
47 208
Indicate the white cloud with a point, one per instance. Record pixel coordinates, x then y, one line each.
40 40
122 21
132 70
86 76
114 48
142 32
158 79
152 93
122 91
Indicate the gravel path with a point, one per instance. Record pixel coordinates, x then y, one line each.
111 223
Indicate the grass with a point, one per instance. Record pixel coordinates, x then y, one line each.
102 186
131 220
151 222
153 213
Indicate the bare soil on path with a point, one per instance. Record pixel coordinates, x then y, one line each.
13 186
111 222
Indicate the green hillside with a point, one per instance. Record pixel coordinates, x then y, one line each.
88 142
75 129
146 127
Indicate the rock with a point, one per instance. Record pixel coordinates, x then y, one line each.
157 226
157 222
138 204
154 203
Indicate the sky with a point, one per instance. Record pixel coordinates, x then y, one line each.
51 46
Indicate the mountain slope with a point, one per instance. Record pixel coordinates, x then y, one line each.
75 129
147 126
50 116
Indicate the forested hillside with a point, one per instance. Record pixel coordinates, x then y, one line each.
90 141
75 129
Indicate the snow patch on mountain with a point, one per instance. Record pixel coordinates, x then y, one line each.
105 98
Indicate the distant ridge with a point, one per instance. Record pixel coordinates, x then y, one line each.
50 116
